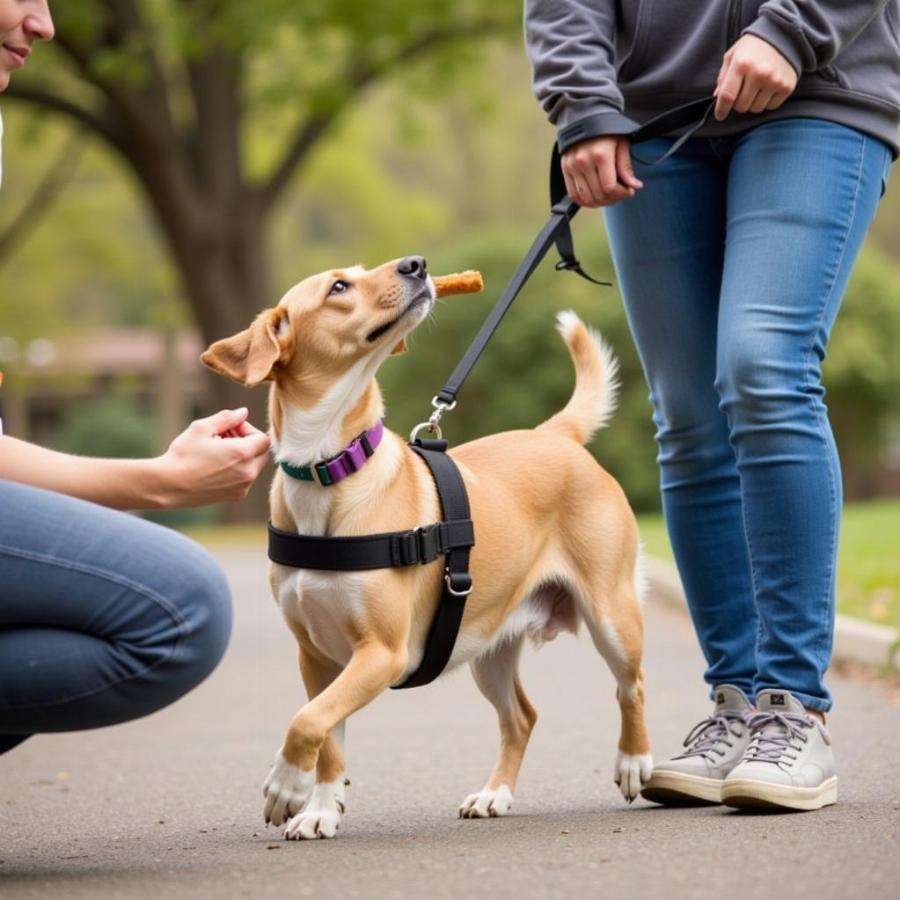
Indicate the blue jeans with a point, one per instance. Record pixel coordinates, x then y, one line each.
104 617
732 261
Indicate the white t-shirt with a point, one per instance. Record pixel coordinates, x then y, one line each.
1 182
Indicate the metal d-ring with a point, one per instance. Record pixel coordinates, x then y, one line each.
434 429
433 425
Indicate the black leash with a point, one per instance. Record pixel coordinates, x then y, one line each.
557 230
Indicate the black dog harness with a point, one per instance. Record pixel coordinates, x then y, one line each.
454 536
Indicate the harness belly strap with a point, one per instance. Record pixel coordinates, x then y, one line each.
453 537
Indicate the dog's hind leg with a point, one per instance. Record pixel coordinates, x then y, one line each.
618 633
290 786
496 674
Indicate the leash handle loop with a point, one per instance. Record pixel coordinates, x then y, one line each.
677 145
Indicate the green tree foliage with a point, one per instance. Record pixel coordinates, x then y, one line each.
526 374
862 371
116 426
111 426
418 162
177 87
93 258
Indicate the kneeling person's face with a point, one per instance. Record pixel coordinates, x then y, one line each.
22 22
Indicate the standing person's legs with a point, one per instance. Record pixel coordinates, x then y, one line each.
104 617
668 246
801 195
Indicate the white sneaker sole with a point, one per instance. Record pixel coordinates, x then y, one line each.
678 789
746 793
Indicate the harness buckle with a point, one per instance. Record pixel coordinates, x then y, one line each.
407 548
429 542
459 584
420 545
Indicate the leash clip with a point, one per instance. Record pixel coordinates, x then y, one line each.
433 425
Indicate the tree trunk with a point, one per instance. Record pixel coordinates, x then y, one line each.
190 163
219 252
227 286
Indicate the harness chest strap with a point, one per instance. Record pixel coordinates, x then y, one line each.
453 537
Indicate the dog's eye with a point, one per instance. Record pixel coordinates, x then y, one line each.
339 287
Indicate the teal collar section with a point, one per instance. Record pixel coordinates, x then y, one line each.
304 473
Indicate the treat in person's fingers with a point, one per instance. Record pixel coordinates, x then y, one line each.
469 282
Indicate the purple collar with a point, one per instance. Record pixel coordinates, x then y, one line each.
348 461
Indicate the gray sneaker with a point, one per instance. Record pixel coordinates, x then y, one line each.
789 763
712 749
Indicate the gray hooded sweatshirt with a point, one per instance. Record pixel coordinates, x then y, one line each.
601 66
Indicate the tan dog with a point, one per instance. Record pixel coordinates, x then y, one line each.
556 541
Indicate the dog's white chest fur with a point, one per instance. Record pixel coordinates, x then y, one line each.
322 603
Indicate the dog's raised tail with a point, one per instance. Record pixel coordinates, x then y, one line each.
594 399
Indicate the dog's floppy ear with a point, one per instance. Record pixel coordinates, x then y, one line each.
249 356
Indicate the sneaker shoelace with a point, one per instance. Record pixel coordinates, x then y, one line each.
705 737
777 737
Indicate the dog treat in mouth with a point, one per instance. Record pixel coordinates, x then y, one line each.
458 283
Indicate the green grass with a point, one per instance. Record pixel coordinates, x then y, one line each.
868 561
869 564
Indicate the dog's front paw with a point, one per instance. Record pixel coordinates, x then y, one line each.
286 789
631 773
321 817
487 804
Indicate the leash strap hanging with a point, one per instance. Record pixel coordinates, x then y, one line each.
694 114
558 231
565 245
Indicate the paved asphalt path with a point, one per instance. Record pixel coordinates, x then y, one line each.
170 806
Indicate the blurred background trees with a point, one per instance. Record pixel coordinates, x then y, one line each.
204 156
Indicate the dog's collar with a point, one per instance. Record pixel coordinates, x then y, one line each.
348 461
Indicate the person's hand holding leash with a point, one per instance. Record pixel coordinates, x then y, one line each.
754 77
598 171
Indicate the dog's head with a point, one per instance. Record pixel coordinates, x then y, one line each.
327 323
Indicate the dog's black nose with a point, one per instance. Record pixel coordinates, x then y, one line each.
414 266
